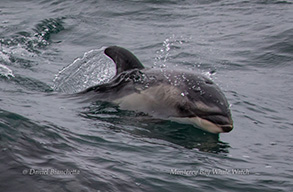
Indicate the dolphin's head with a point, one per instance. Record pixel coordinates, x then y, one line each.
201 103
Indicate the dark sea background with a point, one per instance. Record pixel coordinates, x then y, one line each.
50 141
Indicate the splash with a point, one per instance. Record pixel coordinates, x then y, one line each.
92 69
172 50
47 27
169 47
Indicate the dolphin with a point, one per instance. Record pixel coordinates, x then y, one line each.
176 95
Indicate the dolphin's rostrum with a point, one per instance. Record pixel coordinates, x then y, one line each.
180 96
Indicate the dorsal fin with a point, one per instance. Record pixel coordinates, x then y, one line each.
123 59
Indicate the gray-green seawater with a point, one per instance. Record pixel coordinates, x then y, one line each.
52 142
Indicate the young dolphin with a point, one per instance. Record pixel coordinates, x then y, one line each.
180 96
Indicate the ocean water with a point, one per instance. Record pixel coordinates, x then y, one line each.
50 141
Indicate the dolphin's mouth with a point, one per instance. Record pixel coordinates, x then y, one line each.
212 126
221 121
208 123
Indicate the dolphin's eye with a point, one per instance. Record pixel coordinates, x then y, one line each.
183 110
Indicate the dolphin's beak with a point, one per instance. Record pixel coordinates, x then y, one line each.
224 122
227 128
209 124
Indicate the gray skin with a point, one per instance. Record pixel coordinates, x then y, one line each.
179 96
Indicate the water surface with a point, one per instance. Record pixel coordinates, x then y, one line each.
51 142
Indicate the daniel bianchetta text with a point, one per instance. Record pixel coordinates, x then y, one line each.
207 172
50 171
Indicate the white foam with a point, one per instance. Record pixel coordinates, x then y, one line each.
5 71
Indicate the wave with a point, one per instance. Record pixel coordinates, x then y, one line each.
39 36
